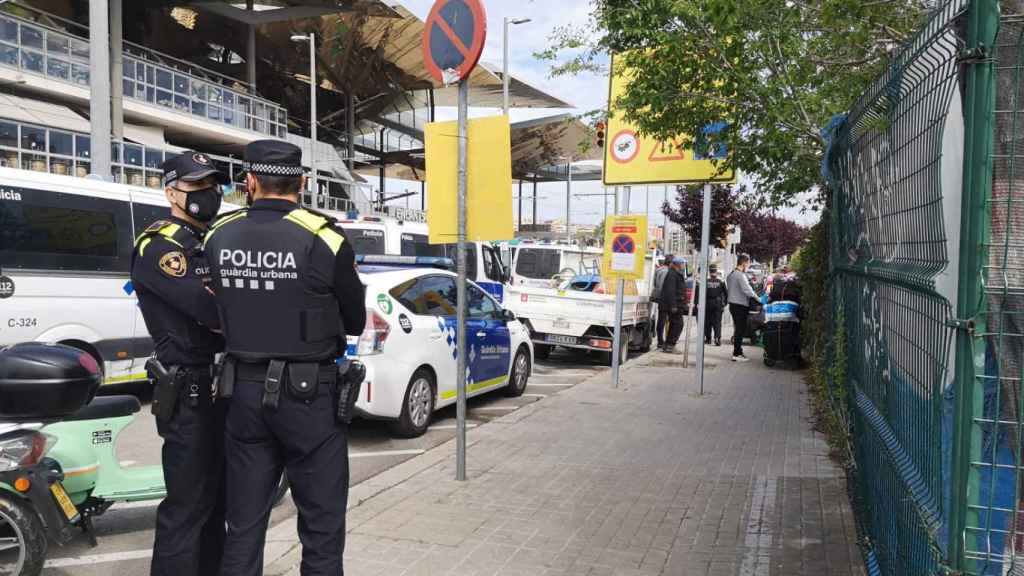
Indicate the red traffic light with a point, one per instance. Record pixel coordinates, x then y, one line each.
600 134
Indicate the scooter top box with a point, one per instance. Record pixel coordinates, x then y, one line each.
45 381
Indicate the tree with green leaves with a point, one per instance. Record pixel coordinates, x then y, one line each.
776 71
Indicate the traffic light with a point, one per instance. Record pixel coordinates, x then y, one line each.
600 134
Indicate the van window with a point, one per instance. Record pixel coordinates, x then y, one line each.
538 263
55 231
492 264
145 214
418 245
366 240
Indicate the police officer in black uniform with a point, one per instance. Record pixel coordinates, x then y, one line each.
288 290
168 273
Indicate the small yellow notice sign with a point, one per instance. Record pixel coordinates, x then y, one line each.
632 159
625 243
489 188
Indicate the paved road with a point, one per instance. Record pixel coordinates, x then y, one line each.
125 532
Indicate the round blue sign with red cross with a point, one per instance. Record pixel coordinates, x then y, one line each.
623 244
453 39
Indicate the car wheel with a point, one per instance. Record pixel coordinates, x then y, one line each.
623 349
520 374
542 351
769 362
417 406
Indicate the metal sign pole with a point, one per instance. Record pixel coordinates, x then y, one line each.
705 234
460 402
617 339
620 287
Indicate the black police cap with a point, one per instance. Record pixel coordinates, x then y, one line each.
191 166
273 158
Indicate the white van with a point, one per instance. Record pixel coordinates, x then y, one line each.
379 236
65 258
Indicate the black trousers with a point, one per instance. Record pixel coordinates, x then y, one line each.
303 438
713 323
675 327
189 536
663 319
739 320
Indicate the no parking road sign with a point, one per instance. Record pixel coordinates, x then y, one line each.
624 240
454 38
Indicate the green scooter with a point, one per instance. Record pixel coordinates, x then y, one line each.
58 465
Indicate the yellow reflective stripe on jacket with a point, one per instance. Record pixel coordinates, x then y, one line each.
318 225
142 245
167 232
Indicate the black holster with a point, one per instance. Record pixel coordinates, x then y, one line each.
166 389
350 381
224 377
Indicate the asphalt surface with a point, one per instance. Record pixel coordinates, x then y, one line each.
125 532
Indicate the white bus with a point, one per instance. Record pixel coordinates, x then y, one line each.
65 257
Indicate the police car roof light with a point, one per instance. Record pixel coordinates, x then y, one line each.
406 261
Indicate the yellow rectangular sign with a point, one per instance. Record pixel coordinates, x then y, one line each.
632 159
489 188
625 247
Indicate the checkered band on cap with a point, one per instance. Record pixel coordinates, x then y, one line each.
273 169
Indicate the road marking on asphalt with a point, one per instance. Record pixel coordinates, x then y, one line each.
139 504
495 408
99 558
535 395
127 463
412 452
452 426
548 385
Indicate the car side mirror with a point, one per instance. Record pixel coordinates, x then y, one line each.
508 315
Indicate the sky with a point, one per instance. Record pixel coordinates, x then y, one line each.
586 92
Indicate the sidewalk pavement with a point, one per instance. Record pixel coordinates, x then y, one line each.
646 479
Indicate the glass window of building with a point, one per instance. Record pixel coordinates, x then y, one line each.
181 84
163 79
33 138
154 158
115 151
8 55
31 37
56 44
80 49
61 143
133 154
82 145
58 68
8 30
32 61
128 68
80 74
9 134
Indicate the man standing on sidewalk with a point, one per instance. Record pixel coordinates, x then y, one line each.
673 297
740 294
659 282
716 301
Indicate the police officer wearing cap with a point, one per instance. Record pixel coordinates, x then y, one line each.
168 272
287 286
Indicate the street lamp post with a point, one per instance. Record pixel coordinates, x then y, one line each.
311 38
504 65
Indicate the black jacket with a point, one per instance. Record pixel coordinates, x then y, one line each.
673 291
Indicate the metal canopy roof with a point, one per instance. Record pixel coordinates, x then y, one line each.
540 149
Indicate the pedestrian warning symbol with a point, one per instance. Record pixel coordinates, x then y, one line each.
632 159
624 239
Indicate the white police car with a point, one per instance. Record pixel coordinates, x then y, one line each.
408 345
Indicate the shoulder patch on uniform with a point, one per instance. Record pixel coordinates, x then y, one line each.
174 264
157 226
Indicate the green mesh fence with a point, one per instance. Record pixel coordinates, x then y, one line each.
895 172
994 530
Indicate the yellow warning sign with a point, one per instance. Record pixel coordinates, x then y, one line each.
631 159
625 246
